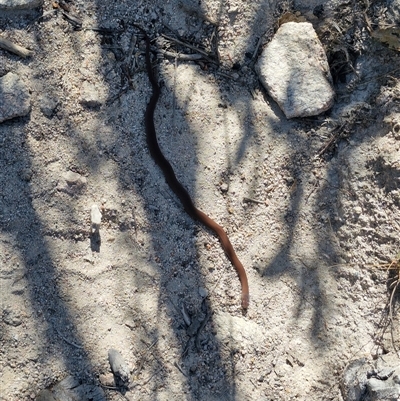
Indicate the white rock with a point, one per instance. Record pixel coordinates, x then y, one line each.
234 328
294 70
14 97
95 216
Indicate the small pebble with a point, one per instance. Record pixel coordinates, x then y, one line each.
73 178
224 187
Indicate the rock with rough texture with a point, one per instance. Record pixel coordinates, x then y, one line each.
363 381
70 389
72 183
14 97
12 317
73 178
119 367
354 380
382 390
295 71
90 95
19 4
48 105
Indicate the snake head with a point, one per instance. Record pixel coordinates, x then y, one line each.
245 301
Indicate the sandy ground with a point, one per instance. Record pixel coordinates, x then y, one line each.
313 232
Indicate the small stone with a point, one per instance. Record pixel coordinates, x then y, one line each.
203 292
107 379
90 96
224 187
12 317
131 395
26 174
48 105
88 258
15 100
73 183
73 178
282 370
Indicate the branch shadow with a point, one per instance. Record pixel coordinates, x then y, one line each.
22 225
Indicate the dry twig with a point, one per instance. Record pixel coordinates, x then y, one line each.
394 265
69 342
13 48
202 52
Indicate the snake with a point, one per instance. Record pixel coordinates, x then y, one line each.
177 187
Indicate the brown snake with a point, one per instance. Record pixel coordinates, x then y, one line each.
177 187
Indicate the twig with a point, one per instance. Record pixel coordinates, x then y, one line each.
75 21
146 381
186 349
109 387
224 74
253 57
331 140
185 316
253 200
131 48
182 57
143 359
174 90
69 342
117 96
252 382
203 323
13 48
205 54
391 313
180 369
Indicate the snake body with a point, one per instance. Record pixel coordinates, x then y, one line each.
177 187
